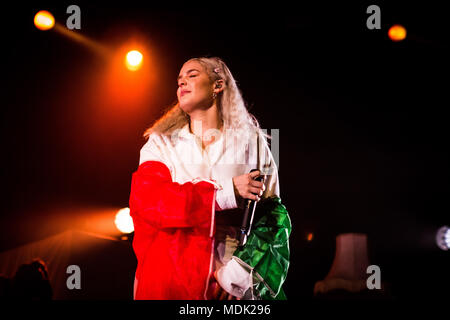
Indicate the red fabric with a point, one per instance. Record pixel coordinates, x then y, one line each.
172 238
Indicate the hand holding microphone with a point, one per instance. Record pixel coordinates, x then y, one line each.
250 187
246 187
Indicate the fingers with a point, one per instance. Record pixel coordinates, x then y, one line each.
254 174
255 191
251 196
257 184
247 188
255 188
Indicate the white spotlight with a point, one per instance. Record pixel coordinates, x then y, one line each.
123 221
443 238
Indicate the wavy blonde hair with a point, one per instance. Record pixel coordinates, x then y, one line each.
231 105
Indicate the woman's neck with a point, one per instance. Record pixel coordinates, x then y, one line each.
203 120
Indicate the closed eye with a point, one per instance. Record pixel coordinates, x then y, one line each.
190 73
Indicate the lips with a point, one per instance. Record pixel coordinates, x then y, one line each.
183 92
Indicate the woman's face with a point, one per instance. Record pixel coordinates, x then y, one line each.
195 89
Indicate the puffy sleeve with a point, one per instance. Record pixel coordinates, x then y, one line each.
162 203
154 150
266 255
174 228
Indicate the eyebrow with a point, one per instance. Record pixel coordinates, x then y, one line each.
189 71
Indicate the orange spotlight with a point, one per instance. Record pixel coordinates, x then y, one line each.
310 236
397 33
119 90
44 20
133 60
123 221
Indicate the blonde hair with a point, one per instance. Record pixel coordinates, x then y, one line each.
230 103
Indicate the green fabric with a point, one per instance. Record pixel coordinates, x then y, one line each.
267 248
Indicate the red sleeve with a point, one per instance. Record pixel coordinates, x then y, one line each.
162 203
174 228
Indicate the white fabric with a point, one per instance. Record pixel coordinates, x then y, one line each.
231 154
234 278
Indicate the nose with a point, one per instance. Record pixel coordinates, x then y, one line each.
182 82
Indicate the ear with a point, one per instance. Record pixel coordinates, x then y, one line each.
219 85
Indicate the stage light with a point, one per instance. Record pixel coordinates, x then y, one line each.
397 33
443 238
44 20
133 60
310 237
123 221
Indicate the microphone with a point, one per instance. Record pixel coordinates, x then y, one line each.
249 212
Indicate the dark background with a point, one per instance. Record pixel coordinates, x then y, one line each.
363 121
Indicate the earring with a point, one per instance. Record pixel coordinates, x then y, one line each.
214 95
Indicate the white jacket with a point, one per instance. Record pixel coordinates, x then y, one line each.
233 153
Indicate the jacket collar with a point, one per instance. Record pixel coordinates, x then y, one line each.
186 133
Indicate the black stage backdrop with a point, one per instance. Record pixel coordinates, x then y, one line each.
362 121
